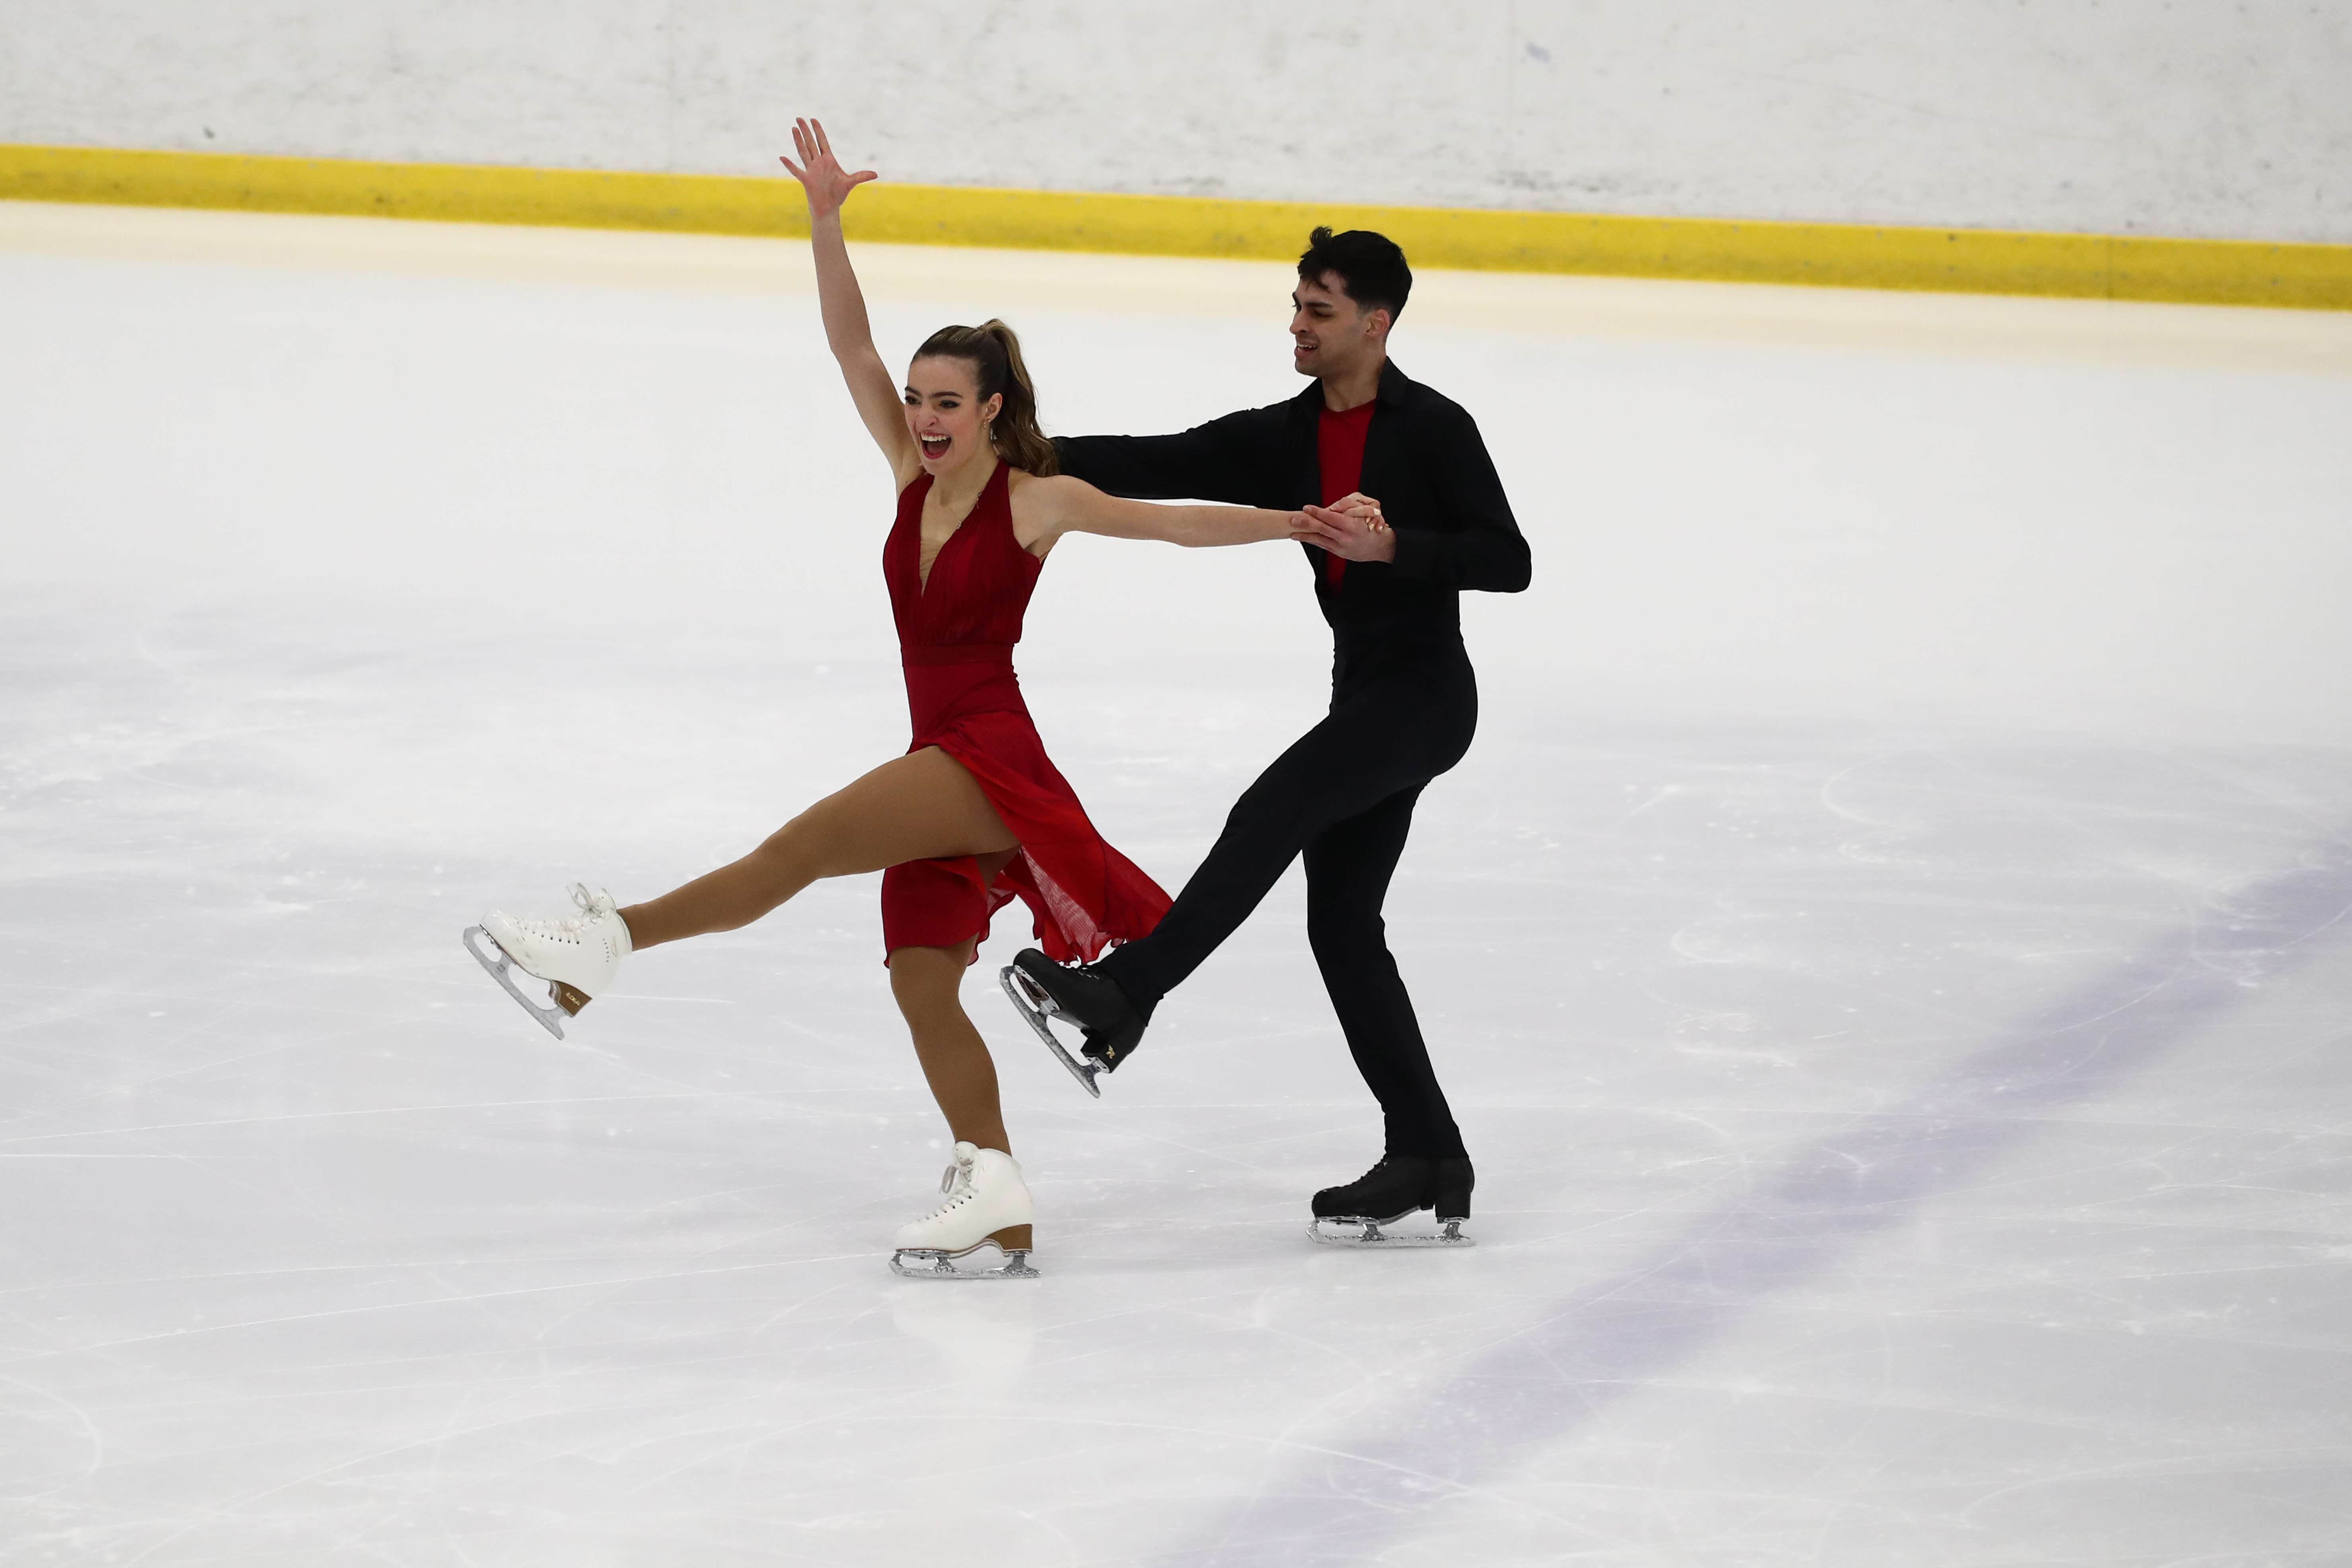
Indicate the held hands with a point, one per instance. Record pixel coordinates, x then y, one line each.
819 172
1353 530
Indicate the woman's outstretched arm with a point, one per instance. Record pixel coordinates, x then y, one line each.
846 330
1045 509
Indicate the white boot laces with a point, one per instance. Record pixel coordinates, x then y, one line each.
956 1182
593 906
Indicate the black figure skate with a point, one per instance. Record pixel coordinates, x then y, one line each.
1393 1190
1042 989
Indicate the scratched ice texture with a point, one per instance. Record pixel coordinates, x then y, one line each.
1887 946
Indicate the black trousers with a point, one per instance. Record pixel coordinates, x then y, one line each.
1342 795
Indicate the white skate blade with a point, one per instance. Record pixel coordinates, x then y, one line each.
1362 1230
1035 1007
502 970
933 1264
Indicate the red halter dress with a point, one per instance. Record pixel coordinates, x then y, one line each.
955 639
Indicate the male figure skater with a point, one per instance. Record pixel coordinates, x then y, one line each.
1387 577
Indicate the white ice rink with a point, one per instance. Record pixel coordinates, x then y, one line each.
1886 946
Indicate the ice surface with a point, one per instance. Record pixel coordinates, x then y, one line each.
1886 946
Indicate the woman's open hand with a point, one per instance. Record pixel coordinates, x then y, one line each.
819 172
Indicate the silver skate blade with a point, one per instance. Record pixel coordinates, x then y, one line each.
1034 1007
937 1265
1362 1230
502 970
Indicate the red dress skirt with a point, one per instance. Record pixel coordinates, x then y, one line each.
956 635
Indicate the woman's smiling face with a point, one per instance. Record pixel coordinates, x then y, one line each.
945 413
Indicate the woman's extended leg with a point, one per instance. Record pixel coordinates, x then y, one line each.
920 806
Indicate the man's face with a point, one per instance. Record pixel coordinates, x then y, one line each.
1329 335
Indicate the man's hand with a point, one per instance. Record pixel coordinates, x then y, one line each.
1353 530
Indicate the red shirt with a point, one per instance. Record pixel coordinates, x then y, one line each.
1339 454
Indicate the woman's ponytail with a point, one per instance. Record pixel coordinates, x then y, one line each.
1020 439
994 353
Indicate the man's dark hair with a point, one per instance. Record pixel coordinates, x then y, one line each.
1372 269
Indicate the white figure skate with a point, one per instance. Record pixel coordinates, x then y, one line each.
987 1205
576 955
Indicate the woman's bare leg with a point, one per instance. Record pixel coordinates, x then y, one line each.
920 806
956 1063
955 1059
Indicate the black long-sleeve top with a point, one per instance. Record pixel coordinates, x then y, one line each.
1424 461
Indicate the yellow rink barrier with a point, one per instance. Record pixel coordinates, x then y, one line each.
1850 256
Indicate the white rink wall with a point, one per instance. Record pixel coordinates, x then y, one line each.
2217 119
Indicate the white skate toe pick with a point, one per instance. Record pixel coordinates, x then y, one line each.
576 955
987 1205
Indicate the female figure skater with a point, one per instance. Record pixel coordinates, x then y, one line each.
975 813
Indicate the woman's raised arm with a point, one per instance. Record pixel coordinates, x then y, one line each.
846 330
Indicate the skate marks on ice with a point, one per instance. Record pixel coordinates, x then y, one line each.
1354 1495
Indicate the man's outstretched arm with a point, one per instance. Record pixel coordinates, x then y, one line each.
1227 460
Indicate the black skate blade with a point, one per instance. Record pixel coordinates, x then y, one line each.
502 970
1364 1231
1035 1007
938 1265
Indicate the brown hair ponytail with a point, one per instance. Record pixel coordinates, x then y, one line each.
994 354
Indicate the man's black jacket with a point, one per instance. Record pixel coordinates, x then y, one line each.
1422 461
